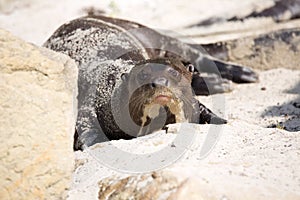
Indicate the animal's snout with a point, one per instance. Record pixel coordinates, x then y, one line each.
160 81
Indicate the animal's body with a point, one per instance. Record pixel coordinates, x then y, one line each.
134 80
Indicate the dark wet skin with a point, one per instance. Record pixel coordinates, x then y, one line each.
169 47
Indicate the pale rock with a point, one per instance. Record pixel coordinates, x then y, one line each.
37 115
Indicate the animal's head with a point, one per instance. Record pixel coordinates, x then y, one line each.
158 84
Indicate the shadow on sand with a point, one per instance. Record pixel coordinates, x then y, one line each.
290 112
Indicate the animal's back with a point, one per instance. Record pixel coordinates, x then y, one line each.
98 47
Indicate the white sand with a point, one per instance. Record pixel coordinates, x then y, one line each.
248 157
35 20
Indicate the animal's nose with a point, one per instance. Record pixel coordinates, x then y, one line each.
160 81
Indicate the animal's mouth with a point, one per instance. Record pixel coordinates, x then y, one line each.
162 99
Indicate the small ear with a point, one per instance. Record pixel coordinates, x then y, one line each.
190 68
124 76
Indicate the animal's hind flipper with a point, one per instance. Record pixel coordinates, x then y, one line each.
236 73
210 84
233 72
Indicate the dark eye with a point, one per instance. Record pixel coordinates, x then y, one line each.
173 72
191 68
124 76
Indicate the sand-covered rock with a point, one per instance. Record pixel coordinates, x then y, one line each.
275 49
37 115
245 164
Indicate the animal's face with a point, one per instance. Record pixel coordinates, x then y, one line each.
160 81
158 84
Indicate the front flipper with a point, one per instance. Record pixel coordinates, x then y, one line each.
88 138
206 116
210 84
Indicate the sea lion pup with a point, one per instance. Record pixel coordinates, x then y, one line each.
113 54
